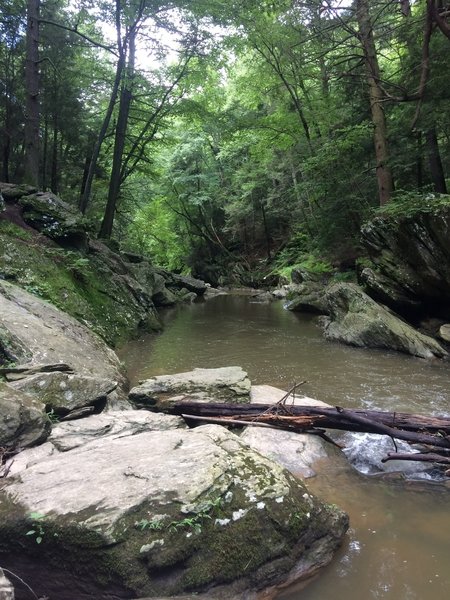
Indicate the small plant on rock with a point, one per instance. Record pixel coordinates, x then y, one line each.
38 528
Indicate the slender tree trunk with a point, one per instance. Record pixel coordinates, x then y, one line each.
419 161
32 94
6 135
384 174
54 169
45 154
119 141
5 157
266 230
85 194
435 162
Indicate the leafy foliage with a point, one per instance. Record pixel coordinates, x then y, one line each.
232 139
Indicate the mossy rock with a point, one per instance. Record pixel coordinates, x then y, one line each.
159 514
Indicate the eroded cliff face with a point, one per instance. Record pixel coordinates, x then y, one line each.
409 258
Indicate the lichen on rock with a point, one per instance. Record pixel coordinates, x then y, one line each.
151 524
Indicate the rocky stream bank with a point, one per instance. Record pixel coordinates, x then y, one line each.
102 493
126 503
99 499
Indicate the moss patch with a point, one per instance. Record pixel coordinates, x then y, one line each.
78 284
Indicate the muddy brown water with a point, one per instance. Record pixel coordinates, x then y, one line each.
398 545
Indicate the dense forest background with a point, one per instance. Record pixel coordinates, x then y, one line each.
232 138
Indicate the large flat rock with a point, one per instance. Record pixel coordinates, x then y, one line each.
157 513
224 384
297 452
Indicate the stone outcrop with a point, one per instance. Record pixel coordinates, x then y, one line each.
308 297
51 359
127 515
63 393
33 332
45 248
409 257
357 320
23 421
225 384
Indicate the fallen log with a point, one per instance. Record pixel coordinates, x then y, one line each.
327 417
417 456
431 433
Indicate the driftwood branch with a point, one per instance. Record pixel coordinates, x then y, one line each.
429 432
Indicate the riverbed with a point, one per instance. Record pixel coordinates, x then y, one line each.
398 546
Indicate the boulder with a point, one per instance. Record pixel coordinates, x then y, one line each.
184 295
224 384
308 297
296 452
56 359
212 292
159 513
444 332
12 192
357 320
65 392
155 283
76 434
280 293
268 394
55 218
177 282
24 422
409 258
33 332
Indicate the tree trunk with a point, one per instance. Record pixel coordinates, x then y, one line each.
266 229
54 168
6 149
31 133
419 161
119 141
85 192
435 163
384 175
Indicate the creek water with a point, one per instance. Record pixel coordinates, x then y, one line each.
398 545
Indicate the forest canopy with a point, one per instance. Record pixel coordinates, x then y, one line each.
211 134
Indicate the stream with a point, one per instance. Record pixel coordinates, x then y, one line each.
398 545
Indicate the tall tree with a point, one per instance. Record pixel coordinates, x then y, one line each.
32 94
376 98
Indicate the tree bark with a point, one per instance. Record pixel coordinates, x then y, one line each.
376 96
85 193
31 133
435 162
328 417
119 140
54 168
